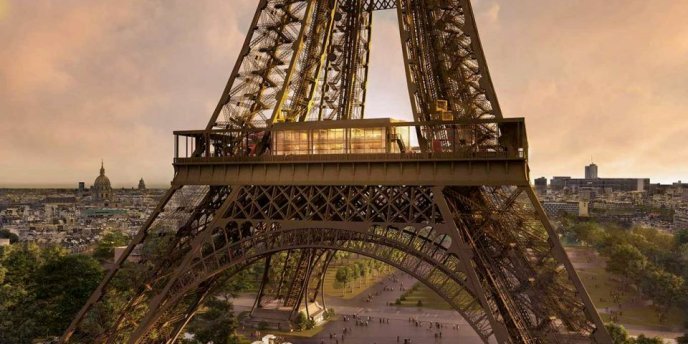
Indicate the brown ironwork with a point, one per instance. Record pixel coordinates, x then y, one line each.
288 171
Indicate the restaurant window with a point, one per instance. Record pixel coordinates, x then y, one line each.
329 141
291 142
367 140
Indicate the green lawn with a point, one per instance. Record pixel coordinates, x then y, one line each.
427 296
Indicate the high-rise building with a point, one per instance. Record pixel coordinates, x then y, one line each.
82 187
591 171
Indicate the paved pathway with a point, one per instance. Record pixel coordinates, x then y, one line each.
396 319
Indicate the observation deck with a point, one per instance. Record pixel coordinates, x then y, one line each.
379 151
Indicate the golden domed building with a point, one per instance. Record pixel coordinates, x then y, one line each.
102 190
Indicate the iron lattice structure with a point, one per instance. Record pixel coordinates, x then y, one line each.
457 213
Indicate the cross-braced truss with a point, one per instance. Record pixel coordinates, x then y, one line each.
484 250
477 236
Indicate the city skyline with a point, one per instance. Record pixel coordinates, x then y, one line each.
84 81
126 185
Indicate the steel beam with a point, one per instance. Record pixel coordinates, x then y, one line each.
337 172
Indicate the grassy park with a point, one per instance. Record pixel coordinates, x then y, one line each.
610 294
421 296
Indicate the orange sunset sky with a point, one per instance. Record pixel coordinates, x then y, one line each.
82 80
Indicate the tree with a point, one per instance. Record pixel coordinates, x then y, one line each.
6 234
52 253
42 290
343 275
63 286
664 288
590 232
106 247
21 261
627 260
301 321
362 270
618 333
215 323
647 340
681 237
241 281
355 273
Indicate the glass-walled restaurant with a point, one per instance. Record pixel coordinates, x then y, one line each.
491 138
370 136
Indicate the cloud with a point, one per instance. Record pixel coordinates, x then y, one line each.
83 80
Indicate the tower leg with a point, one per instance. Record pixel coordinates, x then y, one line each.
601 336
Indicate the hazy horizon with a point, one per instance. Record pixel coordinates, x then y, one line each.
134 184
82 81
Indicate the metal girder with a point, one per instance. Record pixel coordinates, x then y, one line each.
377 5
341 172
430 264
444 61
301 98
537 289
265 65
343 88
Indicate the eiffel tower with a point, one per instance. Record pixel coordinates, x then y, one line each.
288 171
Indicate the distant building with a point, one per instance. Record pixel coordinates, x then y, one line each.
558 183
614 184
142 184
587 194
681 218
102 212
69 200
576 208
541 184
102 190
82 187
591 171
4 242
